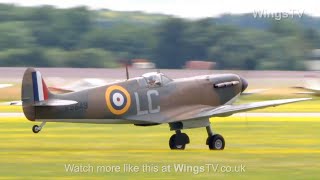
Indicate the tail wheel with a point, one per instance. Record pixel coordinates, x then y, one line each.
36 129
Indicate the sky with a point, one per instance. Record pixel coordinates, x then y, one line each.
187 8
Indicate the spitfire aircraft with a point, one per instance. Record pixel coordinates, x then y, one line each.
88 83
151 99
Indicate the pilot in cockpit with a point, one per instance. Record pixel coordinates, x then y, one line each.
153 79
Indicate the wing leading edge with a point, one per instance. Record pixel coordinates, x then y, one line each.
228 110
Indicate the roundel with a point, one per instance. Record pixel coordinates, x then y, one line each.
118 99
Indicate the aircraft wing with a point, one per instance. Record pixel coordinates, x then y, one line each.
228 110
204 111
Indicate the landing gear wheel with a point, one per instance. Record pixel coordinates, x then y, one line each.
173 144
36 129
179 141
216 142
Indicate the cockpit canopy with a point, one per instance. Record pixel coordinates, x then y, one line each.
156 79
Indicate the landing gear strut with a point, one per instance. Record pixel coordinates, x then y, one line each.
214 141
179 140
37 128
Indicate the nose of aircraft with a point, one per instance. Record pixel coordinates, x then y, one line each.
244 84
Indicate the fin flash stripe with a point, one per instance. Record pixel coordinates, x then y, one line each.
40 91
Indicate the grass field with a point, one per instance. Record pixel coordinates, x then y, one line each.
282 148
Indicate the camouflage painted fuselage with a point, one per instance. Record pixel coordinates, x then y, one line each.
134 101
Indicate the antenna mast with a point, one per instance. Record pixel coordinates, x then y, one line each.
127 72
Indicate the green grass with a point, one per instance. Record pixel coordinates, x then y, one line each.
10 108
282 148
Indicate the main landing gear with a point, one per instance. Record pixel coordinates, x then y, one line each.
214 141
179 140
37 128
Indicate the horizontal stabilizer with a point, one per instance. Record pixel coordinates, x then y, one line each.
11 103
55 102
5 85
60 90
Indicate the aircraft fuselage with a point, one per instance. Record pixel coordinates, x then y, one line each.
136 98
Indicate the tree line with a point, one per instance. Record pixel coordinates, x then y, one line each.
77 37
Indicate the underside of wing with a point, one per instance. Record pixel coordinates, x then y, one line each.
228 110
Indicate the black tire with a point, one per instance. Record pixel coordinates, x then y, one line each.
35 129
173 145
216 142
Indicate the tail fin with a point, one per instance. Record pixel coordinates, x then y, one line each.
40 90
35 93
33 90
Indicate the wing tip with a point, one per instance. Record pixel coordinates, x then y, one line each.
304 99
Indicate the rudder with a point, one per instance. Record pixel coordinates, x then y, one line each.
33 90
